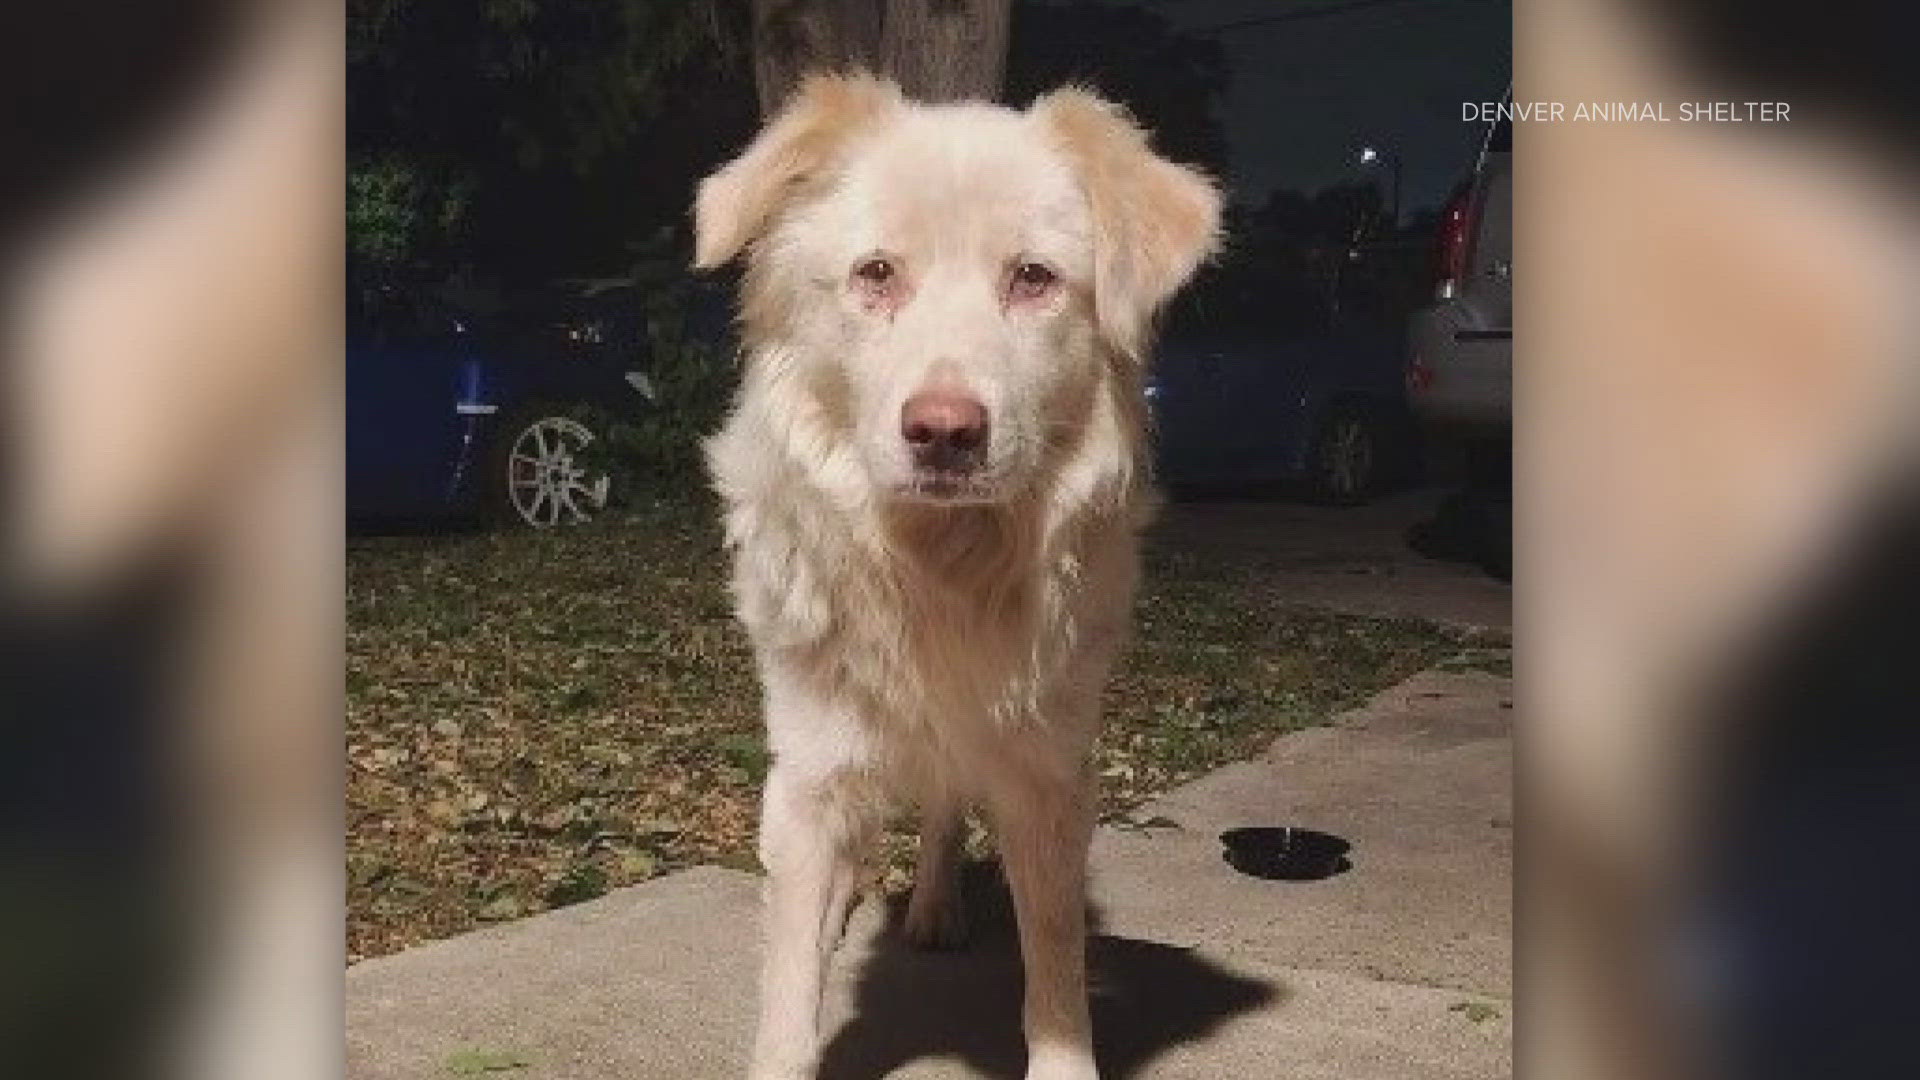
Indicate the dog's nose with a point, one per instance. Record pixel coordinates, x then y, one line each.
947 430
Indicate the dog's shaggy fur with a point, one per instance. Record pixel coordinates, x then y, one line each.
927 633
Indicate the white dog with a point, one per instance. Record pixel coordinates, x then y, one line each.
934 477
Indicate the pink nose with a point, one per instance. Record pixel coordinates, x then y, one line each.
946 429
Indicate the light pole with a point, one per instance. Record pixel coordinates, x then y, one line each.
1372 156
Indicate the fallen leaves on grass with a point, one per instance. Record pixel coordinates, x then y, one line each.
536 718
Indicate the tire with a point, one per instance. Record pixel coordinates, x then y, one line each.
1347 457
1496 545
534 478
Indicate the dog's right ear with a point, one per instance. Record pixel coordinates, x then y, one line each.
736 205
1153 221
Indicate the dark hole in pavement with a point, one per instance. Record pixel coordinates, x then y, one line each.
1285 853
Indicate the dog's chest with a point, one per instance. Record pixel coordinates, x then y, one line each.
926 650
913 645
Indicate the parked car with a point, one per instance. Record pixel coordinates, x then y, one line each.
456 414
616 309
1460 349
1459 368
1238 404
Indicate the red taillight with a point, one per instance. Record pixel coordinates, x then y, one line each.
1419 375
1451 241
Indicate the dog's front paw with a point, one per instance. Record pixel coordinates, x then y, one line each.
936 920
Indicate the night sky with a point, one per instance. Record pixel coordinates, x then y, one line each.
1330 76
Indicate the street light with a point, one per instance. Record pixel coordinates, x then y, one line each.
1372 156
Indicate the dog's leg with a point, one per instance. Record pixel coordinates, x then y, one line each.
936 916
1044 823
810 831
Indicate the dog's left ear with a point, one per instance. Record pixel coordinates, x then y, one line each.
1154 222
736 205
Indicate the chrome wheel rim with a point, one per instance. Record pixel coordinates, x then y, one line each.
1348 457
546 483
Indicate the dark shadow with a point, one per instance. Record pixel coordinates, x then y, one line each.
1285 853
1474 523
1471 525
416 525
1146 997
1203 493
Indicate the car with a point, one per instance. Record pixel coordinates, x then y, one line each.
1242 404
455 414
1459 370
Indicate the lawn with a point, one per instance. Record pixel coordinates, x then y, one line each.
534 718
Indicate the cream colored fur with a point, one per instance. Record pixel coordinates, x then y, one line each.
943 652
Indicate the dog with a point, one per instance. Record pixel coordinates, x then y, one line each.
933 478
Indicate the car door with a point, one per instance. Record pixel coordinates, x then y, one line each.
1255 390
402 429
1185 396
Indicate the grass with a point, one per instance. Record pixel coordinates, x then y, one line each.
1492 659
535 718
479 1062
1478 1012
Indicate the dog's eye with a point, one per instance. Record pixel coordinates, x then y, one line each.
1032 280
877 271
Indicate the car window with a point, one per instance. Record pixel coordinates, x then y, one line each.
384 311
397 316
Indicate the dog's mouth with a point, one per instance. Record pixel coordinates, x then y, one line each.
947 489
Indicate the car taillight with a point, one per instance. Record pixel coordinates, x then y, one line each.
1451 241
1419 374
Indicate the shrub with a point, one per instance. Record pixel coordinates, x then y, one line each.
694 376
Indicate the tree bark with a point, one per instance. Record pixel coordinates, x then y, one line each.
937 50
946 50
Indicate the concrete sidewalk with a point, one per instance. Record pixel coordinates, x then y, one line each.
1397 967
1354 559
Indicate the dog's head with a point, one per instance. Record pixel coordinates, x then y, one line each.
952 284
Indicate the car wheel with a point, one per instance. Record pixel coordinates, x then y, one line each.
1344 462
540 476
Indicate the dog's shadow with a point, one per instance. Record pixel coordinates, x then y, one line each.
909 1004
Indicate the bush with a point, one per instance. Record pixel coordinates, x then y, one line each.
694 376
695 385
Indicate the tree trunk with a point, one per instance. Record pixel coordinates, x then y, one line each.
937 50
946 50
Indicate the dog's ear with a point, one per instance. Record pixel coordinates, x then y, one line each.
735 205
1154 222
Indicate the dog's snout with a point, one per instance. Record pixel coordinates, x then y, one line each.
946 430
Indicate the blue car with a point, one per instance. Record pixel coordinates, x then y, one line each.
1239 407
450 415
